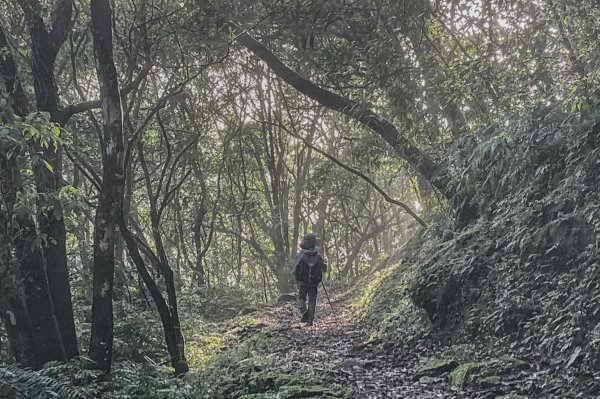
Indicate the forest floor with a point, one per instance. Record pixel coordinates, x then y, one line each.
337 347
341 356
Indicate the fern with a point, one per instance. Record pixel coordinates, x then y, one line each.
53 381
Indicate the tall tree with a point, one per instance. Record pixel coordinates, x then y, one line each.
110 199
35 318
45 45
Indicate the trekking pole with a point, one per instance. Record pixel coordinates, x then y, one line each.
327 295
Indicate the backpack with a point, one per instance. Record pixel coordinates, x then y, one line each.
309 267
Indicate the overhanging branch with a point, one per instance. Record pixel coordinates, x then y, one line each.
360 113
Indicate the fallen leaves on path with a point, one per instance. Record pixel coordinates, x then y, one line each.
339 347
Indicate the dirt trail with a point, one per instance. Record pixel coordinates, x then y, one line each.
339 347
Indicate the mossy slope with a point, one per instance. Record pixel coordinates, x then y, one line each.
520 272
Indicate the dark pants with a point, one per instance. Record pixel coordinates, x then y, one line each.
311 293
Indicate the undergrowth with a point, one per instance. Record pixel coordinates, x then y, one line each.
251 368
232 359
520 272
54 380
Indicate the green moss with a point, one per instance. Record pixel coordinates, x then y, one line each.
460 374
205 340
299 391
365 300
435 367
385 301
462 353
250 370
436 364
484 372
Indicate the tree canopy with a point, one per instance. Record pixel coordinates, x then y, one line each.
162 158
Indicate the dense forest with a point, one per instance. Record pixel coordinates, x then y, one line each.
164 164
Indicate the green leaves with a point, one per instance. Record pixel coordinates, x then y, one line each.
30 135
47 165
26 145
150 138
37 128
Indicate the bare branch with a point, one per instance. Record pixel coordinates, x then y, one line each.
85 168
362 176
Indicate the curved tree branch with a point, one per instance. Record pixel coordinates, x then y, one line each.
360 113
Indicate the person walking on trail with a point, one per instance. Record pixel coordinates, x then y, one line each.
308 270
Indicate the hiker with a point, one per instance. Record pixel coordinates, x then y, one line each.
308 270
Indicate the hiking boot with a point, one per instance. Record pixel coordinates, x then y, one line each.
304 317
302 306
309 323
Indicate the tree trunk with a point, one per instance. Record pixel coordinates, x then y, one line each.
44 48
173 335
8 72
24 236
354 251
171 328
12 306
169 313
17 326
37 295
199 274
110 201
40 314
55 254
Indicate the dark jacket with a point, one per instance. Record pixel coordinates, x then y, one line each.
309 267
